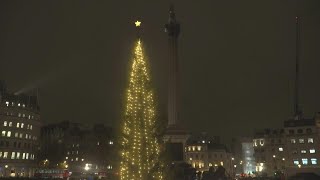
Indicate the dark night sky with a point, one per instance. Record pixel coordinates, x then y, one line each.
236 58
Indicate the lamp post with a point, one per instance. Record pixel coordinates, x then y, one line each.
233 166
5 170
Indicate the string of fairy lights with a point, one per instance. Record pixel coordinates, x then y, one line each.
140 149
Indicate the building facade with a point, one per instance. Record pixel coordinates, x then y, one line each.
79 148
247 161
203 152
292 149
20 132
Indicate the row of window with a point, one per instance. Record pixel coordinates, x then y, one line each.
20 115
98 143
76 159
257 142
201 164
110 142
300 131
305 161
17 135
73 152
18 125
194 148
301 140
196 156
15 144
16 155
312 151
303 151
12 104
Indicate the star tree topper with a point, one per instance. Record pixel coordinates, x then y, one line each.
137 23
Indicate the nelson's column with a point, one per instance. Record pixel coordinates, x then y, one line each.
175 136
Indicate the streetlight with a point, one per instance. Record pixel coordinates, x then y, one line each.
5 170
87 167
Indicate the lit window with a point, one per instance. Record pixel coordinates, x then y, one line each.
66 157
23 105
314 161
304 161
210 164
303 151
5 123
77 152
20 136
189 148
19 115
7 103
16 134
26 136
23 115
5 155
31 127
23 155
18 125
110 142
82 159
18 155
203 141
301 141
296 162
76 159
68 152
22 125
280 149
261 142
193 148
199 148
10 124
109 167
72 145
310 140
13 155
29 136
19 104
29 117
71 159
27 155
312 151
9 134
98 143
201 165
3 133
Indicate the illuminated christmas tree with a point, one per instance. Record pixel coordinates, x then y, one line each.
140 149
